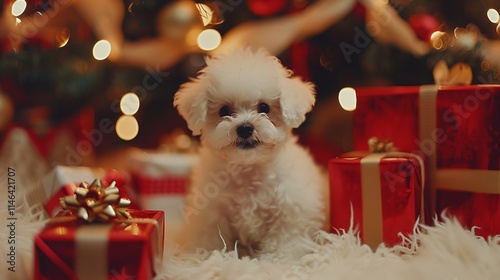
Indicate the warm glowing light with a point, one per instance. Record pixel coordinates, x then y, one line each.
101 50
437 39
436 34
129 104
498 29
206 13
18 21
127 127
347 98
18 7
493 15
209 39
62 37
60 230
466 38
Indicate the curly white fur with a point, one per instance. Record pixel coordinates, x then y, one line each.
261 191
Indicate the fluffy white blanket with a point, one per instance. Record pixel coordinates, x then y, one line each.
444 251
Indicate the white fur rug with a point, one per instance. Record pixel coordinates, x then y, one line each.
445 251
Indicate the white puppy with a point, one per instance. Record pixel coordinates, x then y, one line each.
255 188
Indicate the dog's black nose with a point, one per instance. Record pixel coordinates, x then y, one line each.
245 130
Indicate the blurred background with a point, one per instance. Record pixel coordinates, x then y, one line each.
86 81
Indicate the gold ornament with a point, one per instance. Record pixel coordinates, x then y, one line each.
179 22
95 202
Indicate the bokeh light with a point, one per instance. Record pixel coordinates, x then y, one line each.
209 39
130 103
18 7
62 37
437 40
493 15
127 127
101 50
347 98
206 13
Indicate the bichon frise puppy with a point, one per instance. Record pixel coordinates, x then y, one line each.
255 188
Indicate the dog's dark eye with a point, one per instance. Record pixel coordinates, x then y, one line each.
224 111
263 108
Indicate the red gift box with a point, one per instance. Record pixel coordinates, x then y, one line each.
456 128
161 180
68 249
381 193
63 180
458 125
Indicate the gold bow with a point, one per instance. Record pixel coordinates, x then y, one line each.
380 146
458 74
96 202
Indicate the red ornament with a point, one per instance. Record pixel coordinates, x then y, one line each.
423 25
266 7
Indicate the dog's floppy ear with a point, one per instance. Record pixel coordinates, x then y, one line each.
297 98
191 102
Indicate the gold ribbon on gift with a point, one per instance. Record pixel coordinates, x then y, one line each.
427 108
371 200
468 180
91 250
371 188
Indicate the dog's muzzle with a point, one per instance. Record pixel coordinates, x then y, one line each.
245 131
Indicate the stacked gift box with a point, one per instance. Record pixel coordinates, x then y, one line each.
161 180
99 230
452 130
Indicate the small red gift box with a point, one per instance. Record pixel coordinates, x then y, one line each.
61 181
161 181
381 193
69 249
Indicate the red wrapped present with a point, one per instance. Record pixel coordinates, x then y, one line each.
381 193
67 249
453 127
161 181
458 125
62 181
122 243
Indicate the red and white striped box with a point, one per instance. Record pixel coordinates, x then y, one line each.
161 181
